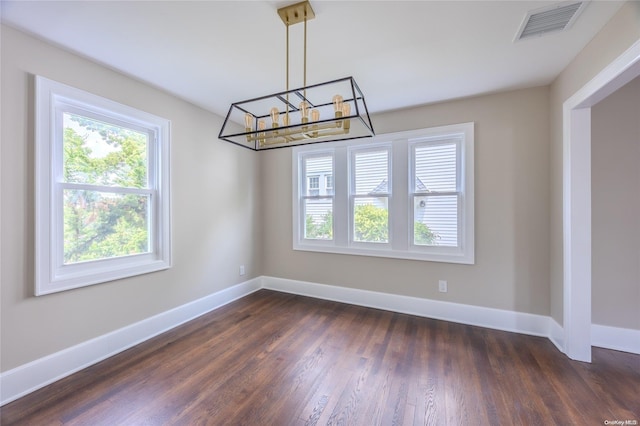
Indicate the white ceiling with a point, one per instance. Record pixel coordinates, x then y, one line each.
401 53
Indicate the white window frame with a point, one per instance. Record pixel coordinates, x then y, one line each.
401 173
299 202
51 275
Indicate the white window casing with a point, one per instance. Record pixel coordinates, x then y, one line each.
54 103
426 185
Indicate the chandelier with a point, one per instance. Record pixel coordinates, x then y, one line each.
325 112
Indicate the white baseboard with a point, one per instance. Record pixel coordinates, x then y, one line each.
41 372
519 322
556 334
619 339
602 336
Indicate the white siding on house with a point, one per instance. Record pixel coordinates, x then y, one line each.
318 209
440 214
436 166
371 169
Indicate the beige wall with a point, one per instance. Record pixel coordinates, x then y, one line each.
214 215
617 36
615 204
511 181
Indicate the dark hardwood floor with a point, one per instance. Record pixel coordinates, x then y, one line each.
278 359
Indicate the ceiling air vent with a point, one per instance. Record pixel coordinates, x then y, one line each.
558 17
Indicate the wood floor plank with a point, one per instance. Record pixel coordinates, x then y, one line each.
280 359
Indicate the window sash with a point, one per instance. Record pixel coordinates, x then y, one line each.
318 215
439 228
62 107
373 183
307 192
441 160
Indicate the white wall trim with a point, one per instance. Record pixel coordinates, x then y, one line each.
602 336
616 338
41 372
577 233
556 334
519 322
576 165
29 377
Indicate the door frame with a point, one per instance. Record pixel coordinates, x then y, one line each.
576 199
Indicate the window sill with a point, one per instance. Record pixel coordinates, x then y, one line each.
90 273
453 256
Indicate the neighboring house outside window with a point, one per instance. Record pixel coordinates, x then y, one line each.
405 195
102 189
329 183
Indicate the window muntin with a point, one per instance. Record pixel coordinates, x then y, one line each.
432 221
102 189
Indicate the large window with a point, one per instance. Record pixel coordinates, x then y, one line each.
102 187
404 195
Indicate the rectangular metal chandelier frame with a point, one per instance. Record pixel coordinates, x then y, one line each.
256 136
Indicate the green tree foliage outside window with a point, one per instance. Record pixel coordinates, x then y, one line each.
98 223
320 230
372 225
422 235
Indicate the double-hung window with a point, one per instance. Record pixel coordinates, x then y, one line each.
102 189
436 192
369 194
316 206
406 195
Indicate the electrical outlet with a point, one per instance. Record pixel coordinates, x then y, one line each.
241 269
442 286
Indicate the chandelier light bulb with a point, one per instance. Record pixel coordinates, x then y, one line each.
274 116
337 105
304 111
262 125
346 112
248 121
315 115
